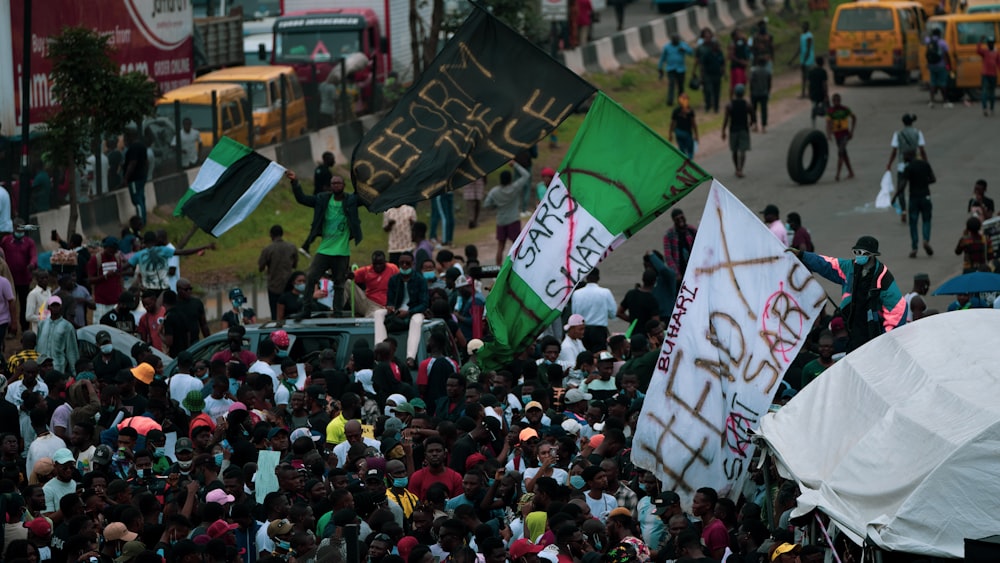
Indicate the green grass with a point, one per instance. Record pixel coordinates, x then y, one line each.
636 88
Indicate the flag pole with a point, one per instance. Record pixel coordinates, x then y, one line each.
187 237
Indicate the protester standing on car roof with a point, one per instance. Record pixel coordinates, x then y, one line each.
335 218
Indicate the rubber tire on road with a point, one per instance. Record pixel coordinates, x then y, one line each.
839 78
865 76
811 173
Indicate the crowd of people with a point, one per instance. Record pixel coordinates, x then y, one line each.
386 458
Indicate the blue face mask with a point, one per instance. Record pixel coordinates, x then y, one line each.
400 482
861 260
577 482
643 488
430 276
525 399
406 272
489 482
282 544
300 287
218 459
282 353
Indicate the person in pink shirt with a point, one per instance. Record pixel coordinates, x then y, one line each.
991 60
22 257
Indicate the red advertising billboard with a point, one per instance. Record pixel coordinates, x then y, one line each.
149 36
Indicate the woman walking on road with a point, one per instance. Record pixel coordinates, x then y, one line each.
683 125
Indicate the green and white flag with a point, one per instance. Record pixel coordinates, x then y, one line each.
230 185
618 176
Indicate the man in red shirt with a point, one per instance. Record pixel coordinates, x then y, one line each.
22 257
104 271
152 320
374 280
713 531
436 471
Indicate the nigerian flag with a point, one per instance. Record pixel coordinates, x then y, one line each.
618 176
230 185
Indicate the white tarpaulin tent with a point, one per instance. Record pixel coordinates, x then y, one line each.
899 442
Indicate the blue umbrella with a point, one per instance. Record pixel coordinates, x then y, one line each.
976 282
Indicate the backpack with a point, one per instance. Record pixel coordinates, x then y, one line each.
933 54
908 139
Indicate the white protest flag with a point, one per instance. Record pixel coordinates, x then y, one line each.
743 311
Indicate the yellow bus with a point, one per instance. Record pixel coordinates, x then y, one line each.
263 85
231 107
866 37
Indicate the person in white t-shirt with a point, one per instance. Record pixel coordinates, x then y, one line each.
63 484
190 143
182 382
548 455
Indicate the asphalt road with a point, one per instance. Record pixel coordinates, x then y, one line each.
960 148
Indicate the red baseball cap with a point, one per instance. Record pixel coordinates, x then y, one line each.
219 528
522 547
474 459
40 526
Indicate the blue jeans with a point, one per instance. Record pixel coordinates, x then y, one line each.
685 142
675 81
989 91
920 208
443 211
137 192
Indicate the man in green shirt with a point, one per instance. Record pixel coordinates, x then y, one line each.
812 370
335 218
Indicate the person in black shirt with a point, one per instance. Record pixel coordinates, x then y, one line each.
682 124
819 93
981 205
323 174
134 169
175 331
121 316
109 362
639 305
738 119
918 176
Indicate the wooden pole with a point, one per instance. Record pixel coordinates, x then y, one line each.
187 238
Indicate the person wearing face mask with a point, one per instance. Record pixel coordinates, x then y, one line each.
872 303
238 315
184 454
156 443
406 301
293 300
280 532
371 283
21 255
109 362
104 272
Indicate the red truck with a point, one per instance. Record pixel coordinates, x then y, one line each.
315 35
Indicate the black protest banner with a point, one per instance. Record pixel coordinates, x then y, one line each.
489 95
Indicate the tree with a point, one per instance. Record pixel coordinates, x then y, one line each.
92 98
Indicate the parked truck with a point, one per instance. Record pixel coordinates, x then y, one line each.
314 36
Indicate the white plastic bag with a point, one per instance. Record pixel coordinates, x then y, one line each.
884 198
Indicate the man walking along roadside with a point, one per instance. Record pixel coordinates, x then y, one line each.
335 219
672 62
918 176
840 123
279 259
